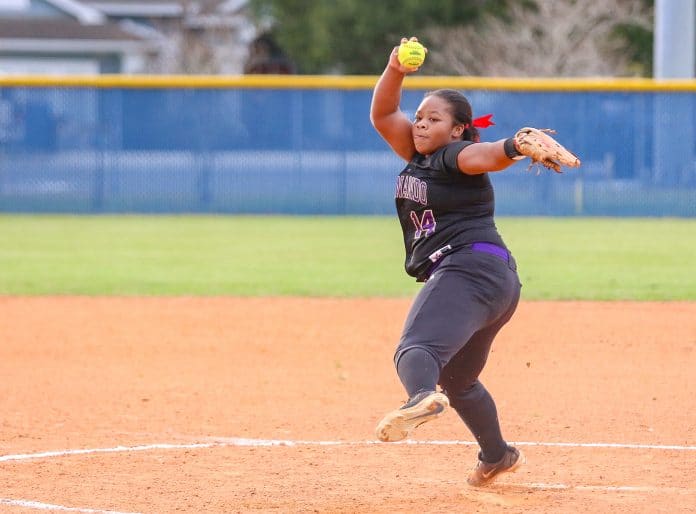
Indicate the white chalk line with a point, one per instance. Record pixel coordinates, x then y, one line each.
240 441
606 488
245 442
49 506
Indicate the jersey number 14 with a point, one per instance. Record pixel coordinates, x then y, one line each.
425 225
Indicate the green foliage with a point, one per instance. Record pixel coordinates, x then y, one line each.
355 36
638 43
558 258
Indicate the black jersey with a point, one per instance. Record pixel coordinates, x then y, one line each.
438 205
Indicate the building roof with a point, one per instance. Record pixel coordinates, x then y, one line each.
79 10
60 28
165 8
138 8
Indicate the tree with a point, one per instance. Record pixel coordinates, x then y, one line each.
560 38
354 36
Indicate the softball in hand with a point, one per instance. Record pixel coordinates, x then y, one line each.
411 54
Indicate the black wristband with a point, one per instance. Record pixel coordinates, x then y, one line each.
510 150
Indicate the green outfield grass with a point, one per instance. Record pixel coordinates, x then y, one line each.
558 258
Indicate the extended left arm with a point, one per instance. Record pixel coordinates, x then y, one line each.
485 157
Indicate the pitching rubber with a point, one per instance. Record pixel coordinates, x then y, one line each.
398 424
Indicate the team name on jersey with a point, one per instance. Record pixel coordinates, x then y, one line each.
412 188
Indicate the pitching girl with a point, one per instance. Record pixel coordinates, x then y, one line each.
445 204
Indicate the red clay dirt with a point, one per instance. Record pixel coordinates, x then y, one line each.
600 396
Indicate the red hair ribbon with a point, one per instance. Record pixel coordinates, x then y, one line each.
483 121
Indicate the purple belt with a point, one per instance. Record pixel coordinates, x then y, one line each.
492 249
479 246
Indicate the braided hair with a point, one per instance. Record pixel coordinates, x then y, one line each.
460 108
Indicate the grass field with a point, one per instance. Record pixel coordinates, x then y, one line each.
558 258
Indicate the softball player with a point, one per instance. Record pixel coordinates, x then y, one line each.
445 204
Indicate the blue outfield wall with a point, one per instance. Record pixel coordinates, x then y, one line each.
304 145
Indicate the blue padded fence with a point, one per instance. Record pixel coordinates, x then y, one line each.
241 148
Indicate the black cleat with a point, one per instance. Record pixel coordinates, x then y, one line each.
485 472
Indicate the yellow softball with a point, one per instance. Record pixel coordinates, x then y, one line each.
411 54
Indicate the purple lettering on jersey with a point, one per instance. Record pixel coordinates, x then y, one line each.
412 188
423 193
399 187
425 225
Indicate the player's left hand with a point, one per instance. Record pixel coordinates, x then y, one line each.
542 149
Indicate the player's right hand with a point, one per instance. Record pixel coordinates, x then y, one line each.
394 58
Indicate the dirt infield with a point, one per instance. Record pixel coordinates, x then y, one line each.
161 405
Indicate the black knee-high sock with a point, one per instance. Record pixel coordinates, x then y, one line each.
418 371
477 409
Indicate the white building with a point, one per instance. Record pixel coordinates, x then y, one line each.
124 36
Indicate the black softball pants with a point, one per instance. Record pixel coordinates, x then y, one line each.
448 335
